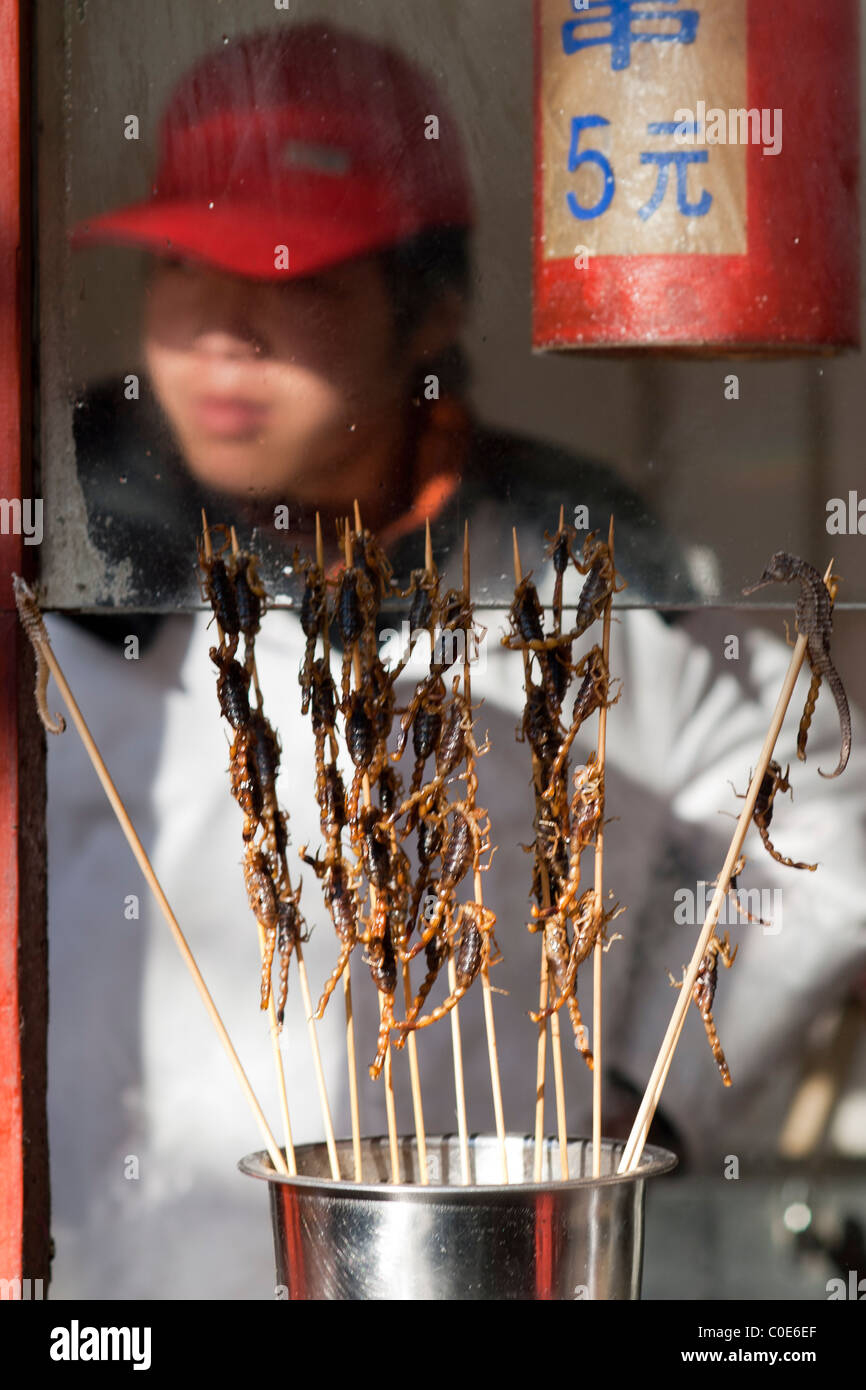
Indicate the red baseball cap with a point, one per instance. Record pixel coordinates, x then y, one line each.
288 151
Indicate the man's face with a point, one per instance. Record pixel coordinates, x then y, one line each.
275 389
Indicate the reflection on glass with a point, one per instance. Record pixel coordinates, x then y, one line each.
322 261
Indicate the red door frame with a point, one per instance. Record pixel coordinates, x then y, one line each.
24 1196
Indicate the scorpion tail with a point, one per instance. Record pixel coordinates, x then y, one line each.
713 1040
267 961
580 1039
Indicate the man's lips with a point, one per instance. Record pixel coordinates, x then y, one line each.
229 417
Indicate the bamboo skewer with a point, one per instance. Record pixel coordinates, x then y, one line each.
351 1059
390 1107
490 1025
456 1039
559 1093
31 619
540 1069
352 1064
414 1073
640 1129
459 1082
415 1080
544 983
555 1037
272 1012
317 1065
598 953
305 991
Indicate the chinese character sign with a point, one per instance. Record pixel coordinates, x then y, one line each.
696 175
627 168
622 23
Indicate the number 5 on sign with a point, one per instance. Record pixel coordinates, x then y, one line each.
576 158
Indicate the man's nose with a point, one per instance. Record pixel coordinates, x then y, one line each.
238 340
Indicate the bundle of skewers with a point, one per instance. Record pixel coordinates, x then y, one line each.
566 826
397 847
567 823
236 594
376 897
403 854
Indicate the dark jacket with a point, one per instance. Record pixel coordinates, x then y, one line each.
143 506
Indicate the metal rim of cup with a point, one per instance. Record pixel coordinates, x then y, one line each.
654 1162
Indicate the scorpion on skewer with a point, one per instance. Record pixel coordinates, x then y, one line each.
34 625
250 597
233 687
704 993
475 949
462 850
264 748
429 846
390 791
385 864
245 786
381 959
600 585
527 635
217 587
455 744
333 817
323 700
361 743
540 728
771 783
314 619
342 903
564 959
263 901
380 687
591 696
585 818
435 954
733 889
375 564
426 725
386 868
562 964
355 608
560 551
290 930
424 593
451 615
237 597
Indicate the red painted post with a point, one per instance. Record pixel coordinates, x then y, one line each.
24 1201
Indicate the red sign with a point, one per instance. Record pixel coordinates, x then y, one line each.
696 174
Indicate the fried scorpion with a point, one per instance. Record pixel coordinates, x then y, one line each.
474 934
772 782
704 993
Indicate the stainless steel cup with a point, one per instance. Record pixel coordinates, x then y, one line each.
376 1240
